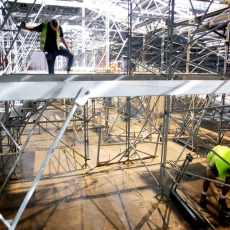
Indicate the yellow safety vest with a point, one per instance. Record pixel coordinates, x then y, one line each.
43 36
221 166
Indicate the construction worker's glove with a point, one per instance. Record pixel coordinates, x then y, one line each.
23 25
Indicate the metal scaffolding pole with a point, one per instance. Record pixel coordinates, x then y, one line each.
162 52
17 34
78 100
220 123
83 37
227 40
129 69
188 49
170 58
86 135
23 147
167 106
127 119
107 47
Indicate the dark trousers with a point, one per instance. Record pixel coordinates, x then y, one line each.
51 57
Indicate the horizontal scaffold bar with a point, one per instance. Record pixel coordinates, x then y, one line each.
31 77
29 87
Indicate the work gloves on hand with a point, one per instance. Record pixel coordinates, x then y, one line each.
23 25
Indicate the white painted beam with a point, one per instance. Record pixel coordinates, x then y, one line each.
64 3
68 89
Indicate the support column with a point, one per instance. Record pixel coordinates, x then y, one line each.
221 113
106 119
227 45
127 118
169 73
86 136
143 56
93 112
107 38
162 51
129 37
83 37
188 48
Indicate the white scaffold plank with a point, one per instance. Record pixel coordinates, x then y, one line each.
32 77
69 89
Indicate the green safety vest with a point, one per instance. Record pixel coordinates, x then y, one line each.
221 166
43 36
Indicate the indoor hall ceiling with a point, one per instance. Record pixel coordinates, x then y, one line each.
85 26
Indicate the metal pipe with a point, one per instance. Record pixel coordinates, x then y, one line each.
220 19
167 98
86 141
32 42
201 141
127 127
175 195
107 64
129 37
9 154
185 164
4 221
43 166
188 48
23 147
8 14
164 145
98 146
221 113
106 119
148 117
9 135
147 169
198 109
166 177
47 130
17 33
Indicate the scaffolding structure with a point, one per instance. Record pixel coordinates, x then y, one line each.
169 74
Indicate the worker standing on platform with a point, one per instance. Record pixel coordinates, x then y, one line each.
51 34
218 168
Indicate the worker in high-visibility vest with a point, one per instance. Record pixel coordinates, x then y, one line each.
218 166
51 34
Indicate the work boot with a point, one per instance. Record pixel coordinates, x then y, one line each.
223 205
203 200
